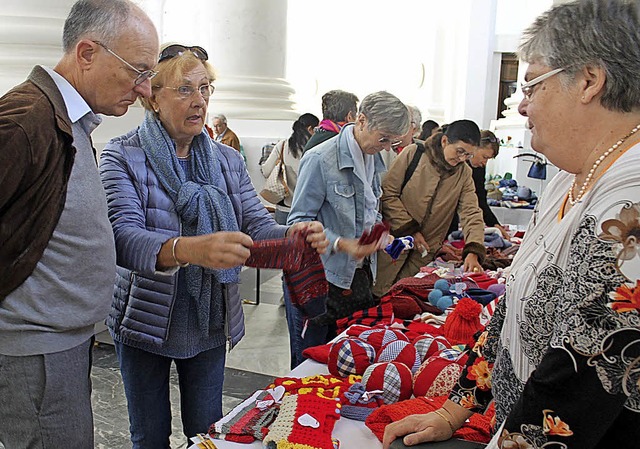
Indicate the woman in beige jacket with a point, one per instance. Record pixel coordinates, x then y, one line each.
420 200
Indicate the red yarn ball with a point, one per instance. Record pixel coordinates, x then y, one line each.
380 337
429 345
436 377
400 351
350 356
392 378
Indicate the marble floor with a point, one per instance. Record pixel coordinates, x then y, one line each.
261 355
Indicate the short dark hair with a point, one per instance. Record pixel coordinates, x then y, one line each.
462 130
336 105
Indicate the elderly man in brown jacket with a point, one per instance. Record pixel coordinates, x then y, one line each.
423 203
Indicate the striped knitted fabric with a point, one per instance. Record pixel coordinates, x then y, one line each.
246 422
380 314
302 269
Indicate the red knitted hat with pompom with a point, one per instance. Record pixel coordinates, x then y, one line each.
463 322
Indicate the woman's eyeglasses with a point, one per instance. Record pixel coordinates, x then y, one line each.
527 88
143 75
177 50
462 154
386 140
185 92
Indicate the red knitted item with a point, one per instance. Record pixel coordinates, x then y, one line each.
301 266
477 429
375 234
318 353
482 279
304 422
380 314
463 322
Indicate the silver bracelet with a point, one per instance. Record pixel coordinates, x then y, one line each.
335 245
173 253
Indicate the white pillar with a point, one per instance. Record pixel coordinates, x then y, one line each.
246 42
30 34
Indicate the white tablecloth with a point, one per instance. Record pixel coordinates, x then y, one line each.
352 434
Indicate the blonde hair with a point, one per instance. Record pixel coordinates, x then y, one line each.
170 71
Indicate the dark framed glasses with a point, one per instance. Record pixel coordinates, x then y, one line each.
176 50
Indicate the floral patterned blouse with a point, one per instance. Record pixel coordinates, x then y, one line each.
561 355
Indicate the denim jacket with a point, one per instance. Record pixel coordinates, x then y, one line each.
329 191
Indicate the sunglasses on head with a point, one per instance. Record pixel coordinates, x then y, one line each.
176 50
490 139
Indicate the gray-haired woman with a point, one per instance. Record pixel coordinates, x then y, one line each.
561 356
339 186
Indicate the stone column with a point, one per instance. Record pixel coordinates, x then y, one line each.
246 41
30 34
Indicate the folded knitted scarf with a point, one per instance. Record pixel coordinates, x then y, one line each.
301 266
203 205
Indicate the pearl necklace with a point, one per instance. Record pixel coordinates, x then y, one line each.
595 166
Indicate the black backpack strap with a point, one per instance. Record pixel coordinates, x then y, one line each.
412 165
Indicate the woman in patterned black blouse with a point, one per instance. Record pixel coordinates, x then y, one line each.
561 355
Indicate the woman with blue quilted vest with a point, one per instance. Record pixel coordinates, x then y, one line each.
185 216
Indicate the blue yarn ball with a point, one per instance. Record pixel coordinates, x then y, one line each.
434 296
445 302
442 284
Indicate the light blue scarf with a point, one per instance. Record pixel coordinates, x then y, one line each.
203 205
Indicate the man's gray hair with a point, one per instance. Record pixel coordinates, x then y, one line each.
416 116
102 20
386 113
336 105
221 117
602 33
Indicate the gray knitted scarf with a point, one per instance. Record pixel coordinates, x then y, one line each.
203 205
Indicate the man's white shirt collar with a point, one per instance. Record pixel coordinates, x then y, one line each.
76 106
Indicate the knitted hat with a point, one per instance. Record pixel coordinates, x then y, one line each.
436 377
392 378
380 337
463 322
305 421
350 356
400 351
429 345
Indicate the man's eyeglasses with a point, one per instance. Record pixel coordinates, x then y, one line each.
462 154
394 144
177 50
527 88
143 75
185 92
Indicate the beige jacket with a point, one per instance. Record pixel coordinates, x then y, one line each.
427 204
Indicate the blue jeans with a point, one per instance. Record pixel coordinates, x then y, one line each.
45 400
146 383
314 335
